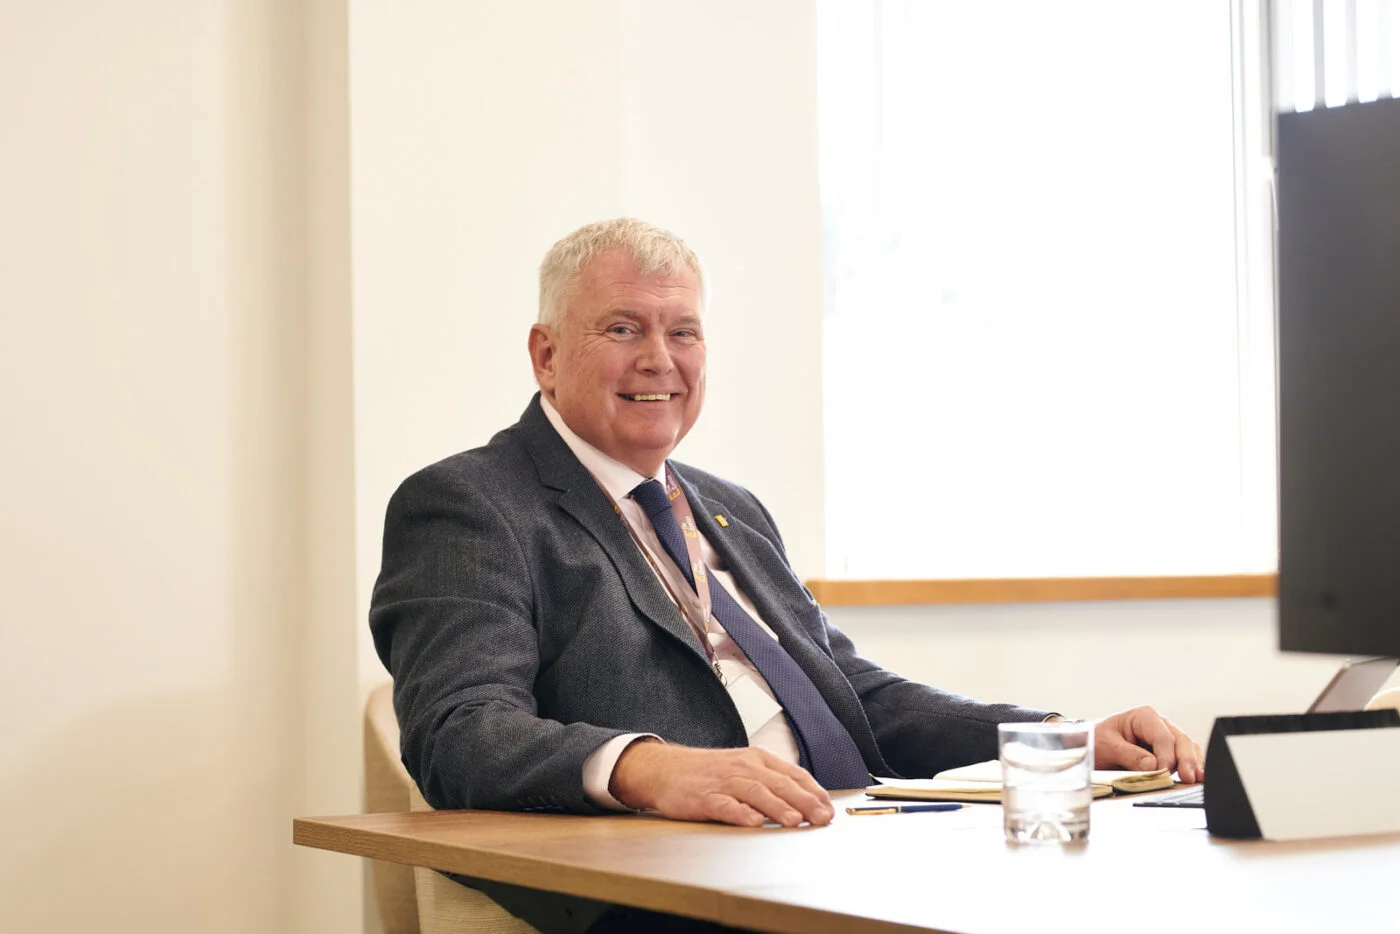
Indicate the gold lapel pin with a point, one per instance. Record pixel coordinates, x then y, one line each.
723 522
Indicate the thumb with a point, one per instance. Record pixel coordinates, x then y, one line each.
1114 752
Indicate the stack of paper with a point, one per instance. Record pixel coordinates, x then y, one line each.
982 782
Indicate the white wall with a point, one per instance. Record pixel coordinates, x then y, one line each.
173 685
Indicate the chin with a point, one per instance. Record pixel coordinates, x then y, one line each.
652 445
648 447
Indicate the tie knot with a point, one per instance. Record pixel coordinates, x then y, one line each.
651 496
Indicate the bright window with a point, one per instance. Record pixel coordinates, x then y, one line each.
1043 353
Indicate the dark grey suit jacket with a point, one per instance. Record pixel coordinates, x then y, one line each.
523 629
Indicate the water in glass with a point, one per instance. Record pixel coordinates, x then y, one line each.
1046 791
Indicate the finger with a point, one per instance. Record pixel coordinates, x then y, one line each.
727 810
793 784
1153 730
808 784
756 794
1112 751
804 779
810 799
1187 764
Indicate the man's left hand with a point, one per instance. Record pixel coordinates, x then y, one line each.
1141 739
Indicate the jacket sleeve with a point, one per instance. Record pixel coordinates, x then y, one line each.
922 730
453 621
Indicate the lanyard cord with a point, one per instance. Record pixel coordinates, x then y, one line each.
694 604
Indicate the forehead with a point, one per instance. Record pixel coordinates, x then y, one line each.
611 282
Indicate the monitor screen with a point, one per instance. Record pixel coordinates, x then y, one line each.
1339 379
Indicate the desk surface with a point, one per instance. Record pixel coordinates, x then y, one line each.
1143 870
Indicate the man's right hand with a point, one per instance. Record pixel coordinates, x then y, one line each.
745 787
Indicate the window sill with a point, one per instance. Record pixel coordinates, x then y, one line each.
1040 589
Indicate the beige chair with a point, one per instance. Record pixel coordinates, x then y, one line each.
1384 699
414 900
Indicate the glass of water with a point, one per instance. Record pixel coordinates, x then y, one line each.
1045 780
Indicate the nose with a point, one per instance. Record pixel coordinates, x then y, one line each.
654 356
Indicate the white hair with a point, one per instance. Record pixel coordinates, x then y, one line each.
655 252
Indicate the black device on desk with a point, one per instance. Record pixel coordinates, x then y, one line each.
1350 688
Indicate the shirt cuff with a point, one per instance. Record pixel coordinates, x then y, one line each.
598 769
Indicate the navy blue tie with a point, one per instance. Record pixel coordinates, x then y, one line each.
828 751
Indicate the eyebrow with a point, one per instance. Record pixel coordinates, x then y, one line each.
688 320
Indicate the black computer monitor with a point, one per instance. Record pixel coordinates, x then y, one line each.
1338 329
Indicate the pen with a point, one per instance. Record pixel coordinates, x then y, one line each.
904 809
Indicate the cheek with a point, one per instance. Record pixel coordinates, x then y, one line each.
695 371
605 369
586 374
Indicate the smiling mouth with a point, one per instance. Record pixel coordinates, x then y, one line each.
647 396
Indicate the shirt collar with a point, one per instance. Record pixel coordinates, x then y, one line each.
616 477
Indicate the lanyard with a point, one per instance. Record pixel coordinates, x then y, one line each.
694 604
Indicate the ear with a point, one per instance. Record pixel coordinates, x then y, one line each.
542 357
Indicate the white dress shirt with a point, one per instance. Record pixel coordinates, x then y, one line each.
758 708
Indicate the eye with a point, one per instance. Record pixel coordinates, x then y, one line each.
686 334
621 330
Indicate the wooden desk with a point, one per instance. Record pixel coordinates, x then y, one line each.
1143 870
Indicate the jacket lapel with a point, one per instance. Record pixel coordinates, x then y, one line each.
578 494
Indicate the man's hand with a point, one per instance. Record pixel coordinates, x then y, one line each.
1140 739
733 786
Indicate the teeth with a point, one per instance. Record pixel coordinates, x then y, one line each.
650 397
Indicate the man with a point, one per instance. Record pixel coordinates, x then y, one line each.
572 621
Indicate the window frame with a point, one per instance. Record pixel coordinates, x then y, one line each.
1255 88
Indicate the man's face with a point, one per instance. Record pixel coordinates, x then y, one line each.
623 342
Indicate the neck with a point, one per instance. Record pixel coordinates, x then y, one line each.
646 463
647 467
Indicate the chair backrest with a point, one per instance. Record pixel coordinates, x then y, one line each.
1389 698
445 907
388 788
415 900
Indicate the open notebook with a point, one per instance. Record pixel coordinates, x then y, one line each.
982 782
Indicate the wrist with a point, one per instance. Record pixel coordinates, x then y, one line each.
630 783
